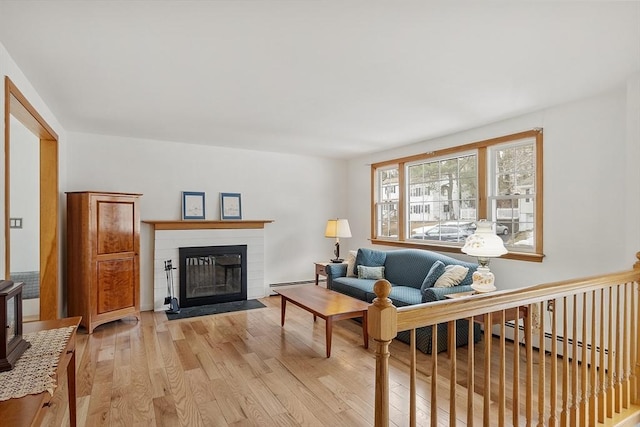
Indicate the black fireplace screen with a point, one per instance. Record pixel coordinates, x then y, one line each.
212 274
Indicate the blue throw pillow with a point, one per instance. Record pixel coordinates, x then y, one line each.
369 258
437 269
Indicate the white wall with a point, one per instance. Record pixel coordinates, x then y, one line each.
632 196
299 193
589 222
25 198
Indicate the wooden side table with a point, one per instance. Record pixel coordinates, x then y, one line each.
321 270
29 410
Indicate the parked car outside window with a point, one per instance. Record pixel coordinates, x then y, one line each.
449 233
502 229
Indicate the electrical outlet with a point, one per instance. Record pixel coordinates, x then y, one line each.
551 305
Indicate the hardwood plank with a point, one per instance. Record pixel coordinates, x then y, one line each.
186 409
212 414
165 411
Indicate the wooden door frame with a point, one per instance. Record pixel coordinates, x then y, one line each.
16 104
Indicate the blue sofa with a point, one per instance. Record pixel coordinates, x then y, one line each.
406 270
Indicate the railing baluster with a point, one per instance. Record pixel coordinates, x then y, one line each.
574 364
412 379
453 374
434 376
554 367
541 369
610 358
584 365
501 386
487 368
470 374
618 355
593 378
516 370
602 401
633 345
617 388
626 400
565 364
529 349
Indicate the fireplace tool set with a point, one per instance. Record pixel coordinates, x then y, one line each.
174 308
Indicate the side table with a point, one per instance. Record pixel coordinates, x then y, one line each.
29 410
321 270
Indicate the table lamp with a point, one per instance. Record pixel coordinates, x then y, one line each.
484 244
337 228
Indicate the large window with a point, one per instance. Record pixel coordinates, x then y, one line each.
434 199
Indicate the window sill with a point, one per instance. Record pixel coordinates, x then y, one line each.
520 256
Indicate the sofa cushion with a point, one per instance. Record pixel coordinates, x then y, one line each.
434 273
453 275
354 287
369 258
409 267
365 272
405 295
400 296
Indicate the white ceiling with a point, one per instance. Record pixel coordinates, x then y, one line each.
333 78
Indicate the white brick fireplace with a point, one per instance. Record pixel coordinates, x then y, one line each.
171 235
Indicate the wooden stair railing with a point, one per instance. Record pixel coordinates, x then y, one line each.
580 369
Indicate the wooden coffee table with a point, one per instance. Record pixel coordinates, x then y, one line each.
326 304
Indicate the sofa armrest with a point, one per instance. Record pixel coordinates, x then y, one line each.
335 270
437 294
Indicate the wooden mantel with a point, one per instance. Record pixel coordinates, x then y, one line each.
204 224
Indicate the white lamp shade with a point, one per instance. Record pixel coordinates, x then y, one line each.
484 243
337 228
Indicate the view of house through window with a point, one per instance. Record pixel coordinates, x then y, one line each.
512 194
388 204
445 197
436 198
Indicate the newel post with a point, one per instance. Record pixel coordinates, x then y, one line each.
382 328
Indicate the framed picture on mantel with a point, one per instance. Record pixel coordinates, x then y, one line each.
230 206
192 205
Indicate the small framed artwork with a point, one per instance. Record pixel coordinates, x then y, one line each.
192 205
230 206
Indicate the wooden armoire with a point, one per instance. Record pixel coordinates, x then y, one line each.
103 266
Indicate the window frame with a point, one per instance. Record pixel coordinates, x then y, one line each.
482 149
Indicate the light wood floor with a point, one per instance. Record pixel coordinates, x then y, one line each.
238 369
231 369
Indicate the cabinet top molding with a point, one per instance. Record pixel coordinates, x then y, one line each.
106 193
204 224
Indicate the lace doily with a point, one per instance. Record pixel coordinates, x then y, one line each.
34 371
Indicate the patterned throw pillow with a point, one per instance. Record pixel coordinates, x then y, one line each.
452 276
375 273
370 258
434 274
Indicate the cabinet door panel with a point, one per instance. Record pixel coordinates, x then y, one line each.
116 284
116 227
